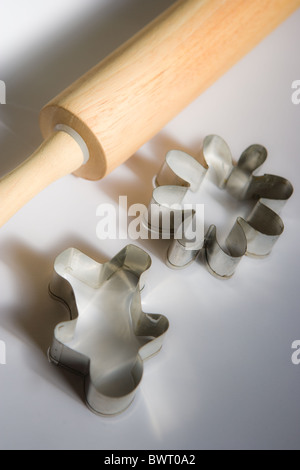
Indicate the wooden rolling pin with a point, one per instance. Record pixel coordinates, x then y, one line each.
108 114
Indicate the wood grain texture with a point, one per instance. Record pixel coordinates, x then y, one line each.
125 100
58 156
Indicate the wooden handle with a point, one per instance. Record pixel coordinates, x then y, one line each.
126 99
58 156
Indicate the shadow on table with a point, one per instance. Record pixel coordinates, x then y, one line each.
34 318
56 63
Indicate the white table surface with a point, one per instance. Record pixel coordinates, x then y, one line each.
224 378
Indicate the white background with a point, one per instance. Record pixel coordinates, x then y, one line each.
224 378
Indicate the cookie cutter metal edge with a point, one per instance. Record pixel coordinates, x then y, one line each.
148 330
254 236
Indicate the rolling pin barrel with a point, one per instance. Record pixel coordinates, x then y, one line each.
125 100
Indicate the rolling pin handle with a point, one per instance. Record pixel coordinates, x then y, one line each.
58 156
80 141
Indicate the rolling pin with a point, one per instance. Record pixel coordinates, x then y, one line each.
103 118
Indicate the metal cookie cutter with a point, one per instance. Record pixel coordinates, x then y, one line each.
179 174
254 236
109 336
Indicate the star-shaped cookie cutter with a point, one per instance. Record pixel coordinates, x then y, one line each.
108 336
253 236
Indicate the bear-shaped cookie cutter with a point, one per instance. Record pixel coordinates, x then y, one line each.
108 336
